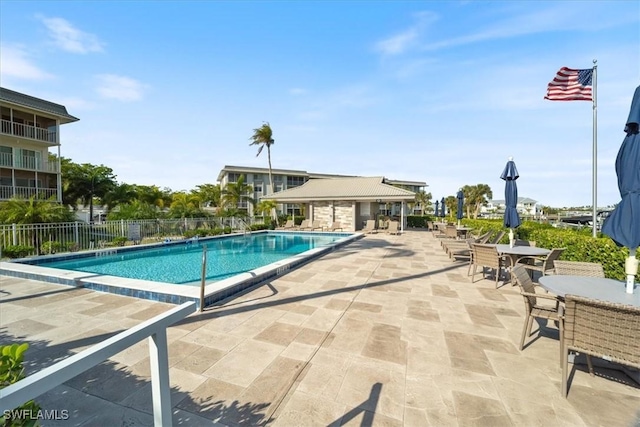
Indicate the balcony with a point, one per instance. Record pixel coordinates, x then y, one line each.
29 132
8 160
8 191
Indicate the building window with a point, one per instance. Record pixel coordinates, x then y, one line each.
234 177
294 181
277 178
6 156
257 190
257 177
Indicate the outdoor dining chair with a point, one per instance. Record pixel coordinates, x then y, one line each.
579 268
487 256
542 264
496 239
602 329
532 308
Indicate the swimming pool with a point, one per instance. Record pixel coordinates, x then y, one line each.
182 264
171 272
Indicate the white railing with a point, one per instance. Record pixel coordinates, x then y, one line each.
26 131
7 192
9 160
155 329
74 236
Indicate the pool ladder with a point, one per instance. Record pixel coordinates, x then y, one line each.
242 225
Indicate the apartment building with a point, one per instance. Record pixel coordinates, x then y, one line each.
30 128
284 179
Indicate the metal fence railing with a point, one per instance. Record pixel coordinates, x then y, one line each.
75 236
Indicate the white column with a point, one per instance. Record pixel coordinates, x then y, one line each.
160 387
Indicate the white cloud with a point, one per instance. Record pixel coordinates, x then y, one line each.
404 40
17 63
121 88
296 91
68 38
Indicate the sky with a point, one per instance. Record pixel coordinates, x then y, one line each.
169 92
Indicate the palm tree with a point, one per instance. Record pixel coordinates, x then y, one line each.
263 137
86 182
479 196
209 194
424 199
234 193
451 202
120 195
185 206
33 211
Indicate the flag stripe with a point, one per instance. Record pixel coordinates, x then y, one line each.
571 85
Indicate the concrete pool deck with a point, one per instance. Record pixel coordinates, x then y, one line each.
384 331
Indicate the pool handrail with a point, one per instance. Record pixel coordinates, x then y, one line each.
155 329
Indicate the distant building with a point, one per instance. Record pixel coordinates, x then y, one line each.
525 206
285 179
30 127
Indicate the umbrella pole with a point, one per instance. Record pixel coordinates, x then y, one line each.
511 237
631 268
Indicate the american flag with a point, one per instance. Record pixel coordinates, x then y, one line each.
571 85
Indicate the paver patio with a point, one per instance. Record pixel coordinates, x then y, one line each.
386 331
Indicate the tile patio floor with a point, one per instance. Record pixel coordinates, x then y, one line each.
386 331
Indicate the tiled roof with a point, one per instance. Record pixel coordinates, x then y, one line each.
355 188
38 104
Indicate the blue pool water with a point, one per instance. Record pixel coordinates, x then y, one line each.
182 263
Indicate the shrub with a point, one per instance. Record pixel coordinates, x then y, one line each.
119 241
417 221
17 251
265 226
579 244
12 371
52 247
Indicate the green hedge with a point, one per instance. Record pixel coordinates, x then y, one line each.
579 244
418 221
17 251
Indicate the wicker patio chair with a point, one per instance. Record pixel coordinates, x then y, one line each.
578 268
496 239
533 309
541 264
602 329
487 256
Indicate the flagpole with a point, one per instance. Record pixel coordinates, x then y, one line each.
595 147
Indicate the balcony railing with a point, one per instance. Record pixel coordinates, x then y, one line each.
7 192
26 131
8 160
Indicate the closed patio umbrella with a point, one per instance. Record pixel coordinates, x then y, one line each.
442 209
623 224
436 213
460 197
511 217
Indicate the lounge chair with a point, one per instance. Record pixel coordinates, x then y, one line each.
394 227
335 226
289 225
316 225
304 225
370 227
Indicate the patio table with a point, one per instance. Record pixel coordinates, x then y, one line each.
517 252
591 287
